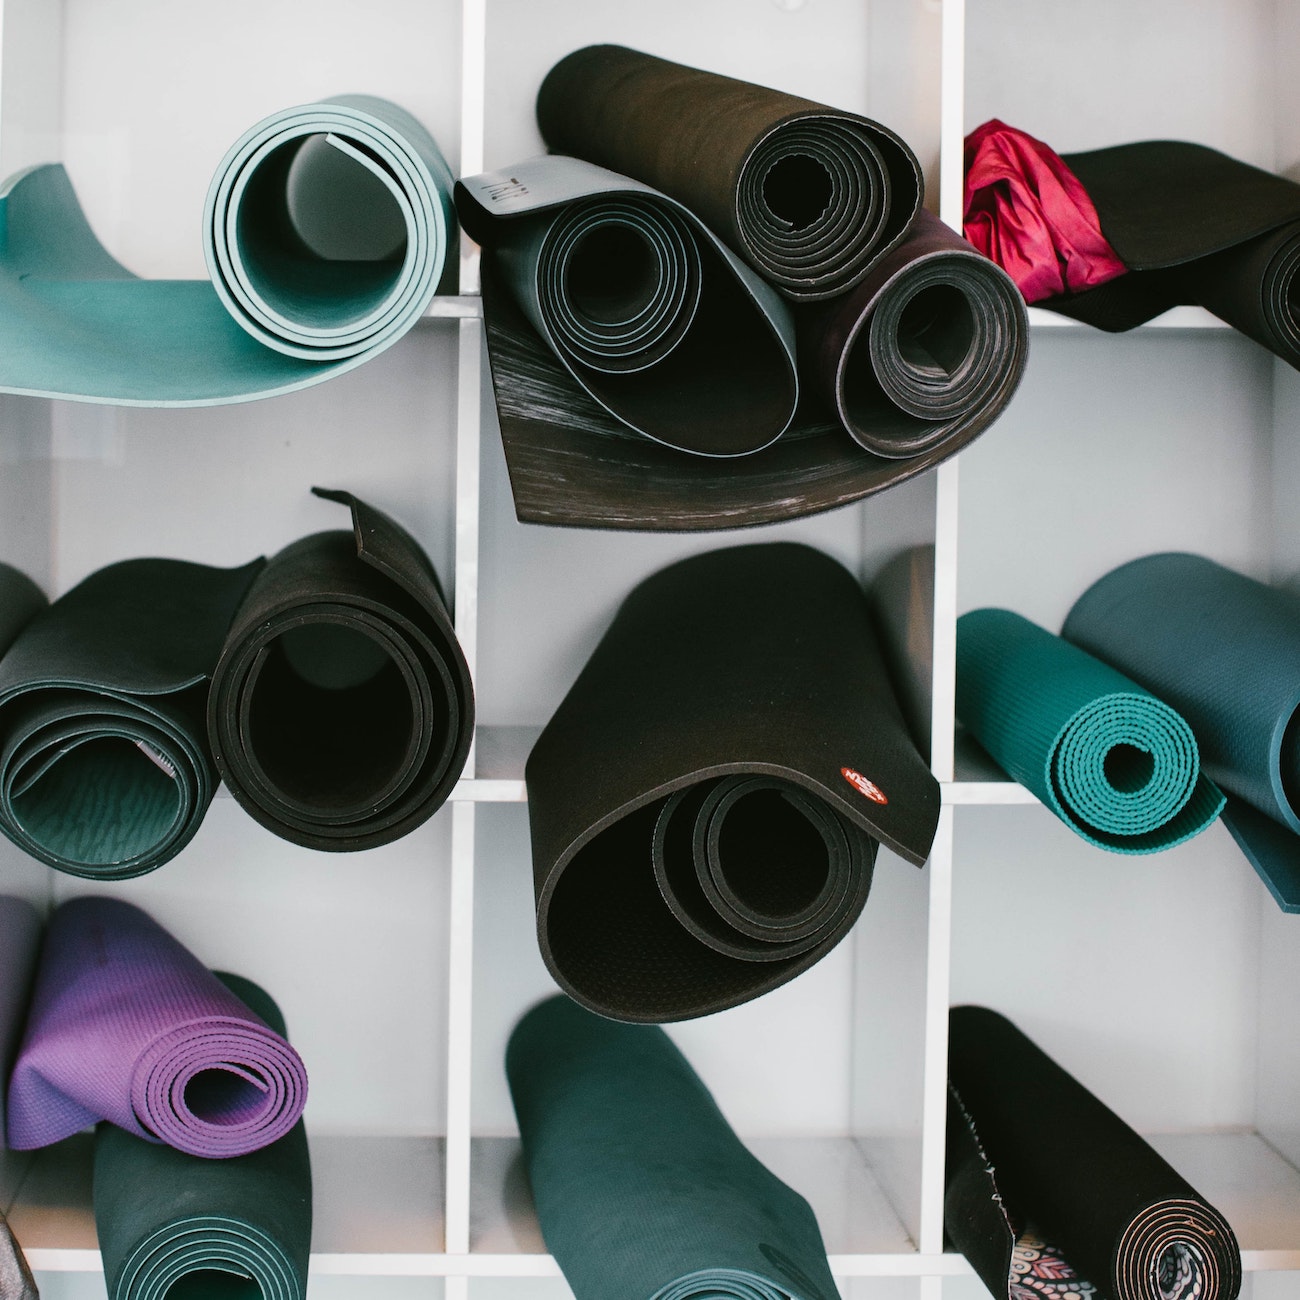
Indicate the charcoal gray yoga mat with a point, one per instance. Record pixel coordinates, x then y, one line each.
1033 1154
341 711
300 290
643 1192
1223 649
105 770
707 800
808 195
647 311
210 1229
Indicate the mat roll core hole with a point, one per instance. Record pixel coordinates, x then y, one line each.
611 276
1178 1271
225 1096
1127 768
214 1284
797 190
936 331
771 857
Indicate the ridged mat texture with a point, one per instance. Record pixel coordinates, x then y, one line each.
277 315
643 1192
706 803
215 1229
1029 1144
127 1025
105 770
341 711
1224 650
1116 764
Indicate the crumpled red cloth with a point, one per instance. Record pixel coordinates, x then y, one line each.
1027 211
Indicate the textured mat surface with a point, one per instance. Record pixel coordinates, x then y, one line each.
213 1229
1223 650
1117 765
276 316
105 770
808 195
1028 1143
341 711
643 1192
706 802
127 1025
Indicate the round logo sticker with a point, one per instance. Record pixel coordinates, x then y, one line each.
863 786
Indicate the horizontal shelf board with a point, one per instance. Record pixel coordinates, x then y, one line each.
1176 318
500 755
978 779
461 306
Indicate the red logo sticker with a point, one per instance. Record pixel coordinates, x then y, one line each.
863 786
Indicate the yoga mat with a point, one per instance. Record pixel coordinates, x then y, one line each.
105 770
1223 650
647 312
127 1025
706 803
1033 1154
1117 765
215 1229
925 352
341 710
297 293
809 196
643 1192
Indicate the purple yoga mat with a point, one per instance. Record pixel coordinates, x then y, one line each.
127 1025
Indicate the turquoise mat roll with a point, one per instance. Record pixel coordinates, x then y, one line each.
1117 765
300 292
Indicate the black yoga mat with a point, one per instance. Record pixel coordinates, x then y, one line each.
923 354
212 1229
1193 226
645 309
1224 651
105 770
1033 1154
643 1192
341 710
808 195
706 802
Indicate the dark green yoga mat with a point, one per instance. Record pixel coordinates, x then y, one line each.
295 296
1114 763
236 1229
1224 650
643 1191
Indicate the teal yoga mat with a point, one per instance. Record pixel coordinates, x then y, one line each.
1118 766
643 1191
292 301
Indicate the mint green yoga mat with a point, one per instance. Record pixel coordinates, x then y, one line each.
1117 765
326 231
643 1192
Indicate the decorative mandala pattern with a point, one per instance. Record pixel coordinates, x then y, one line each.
1179 1274
1040 1272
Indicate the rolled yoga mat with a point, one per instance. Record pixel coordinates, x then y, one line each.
1117 765
341 711
706 803
643 1192
326 231
105 770
218 1229
809 196
127 1025
1050 1192
1223 650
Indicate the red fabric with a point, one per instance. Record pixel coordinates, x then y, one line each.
1027 211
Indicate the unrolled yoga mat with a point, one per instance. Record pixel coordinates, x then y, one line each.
707 800
341 711
1117 765
105 770
127 1025
808 195
643 1192
1223 649
299 289
648 312
213 1229
1037 1164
